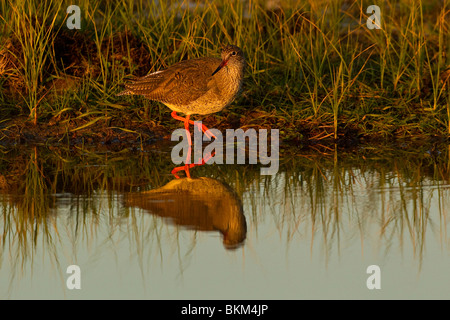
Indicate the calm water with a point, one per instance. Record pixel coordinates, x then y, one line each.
308 232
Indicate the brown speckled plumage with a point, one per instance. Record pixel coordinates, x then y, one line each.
196 86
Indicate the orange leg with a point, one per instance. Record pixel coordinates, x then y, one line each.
184 168
188 134
203 127
188 166
188 156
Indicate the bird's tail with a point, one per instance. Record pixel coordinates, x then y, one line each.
126 92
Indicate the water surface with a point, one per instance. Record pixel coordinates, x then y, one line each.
308 232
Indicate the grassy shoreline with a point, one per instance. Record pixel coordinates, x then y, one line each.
315 71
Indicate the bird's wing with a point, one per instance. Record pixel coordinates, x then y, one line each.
179 84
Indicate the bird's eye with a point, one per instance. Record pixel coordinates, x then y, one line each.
233 53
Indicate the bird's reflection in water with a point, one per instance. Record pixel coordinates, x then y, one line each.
203 204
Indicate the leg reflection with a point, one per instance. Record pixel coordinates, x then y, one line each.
188 165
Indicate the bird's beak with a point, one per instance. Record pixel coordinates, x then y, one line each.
221 65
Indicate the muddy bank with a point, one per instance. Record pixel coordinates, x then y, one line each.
122 132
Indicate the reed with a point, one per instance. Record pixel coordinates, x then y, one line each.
309 62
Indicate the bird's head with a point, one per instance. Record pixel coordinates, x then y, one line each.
231 56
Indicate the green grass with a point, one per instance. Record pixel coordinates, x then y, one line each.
314 68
